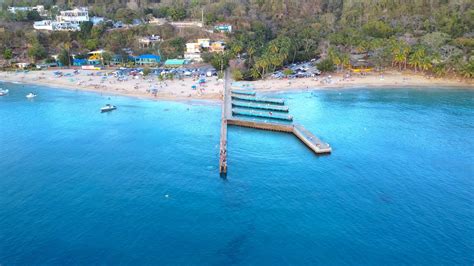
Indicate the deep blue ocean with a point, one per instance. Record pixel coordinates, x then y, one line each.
140 185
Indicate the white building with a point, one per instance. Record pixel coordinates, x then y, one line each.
204 43
66 26
193 47
76 15
149 41
68 20
43 25
23 65
223 28
193 52
56 26
193 57
39 8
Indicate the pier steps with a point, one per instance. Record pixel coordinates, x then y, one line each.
269 115
258 99
262 106
244 92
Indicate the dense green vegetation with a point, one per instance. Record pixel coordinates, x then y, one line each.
435 36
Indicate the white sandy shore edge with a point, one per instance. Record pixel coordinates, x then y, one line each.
373 80
181 90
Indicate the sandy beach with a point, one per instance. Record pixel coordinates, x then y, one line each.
138 86
387 79
182 89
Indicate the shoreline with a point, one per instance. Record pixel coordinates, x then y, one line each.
374 80
169 90
211 101
180 90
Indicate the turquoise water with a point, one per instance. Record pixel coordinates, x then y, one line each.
140 185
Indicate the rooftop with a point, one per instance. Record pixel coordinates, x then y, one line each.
148 56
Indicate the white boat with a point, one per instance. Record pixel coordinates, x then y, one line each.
3 92
31 95
108 108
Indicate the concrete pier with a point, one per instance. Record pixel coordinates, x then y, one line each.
225 113
223 149
261 125
246 103
313 142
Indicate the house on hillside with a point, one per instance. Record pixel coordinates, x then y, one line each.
149 41
22 65
193 47
56 26
95 57
223 28
193 52
204 43
217 47
147 60
39 8
74 16
68 20
43 25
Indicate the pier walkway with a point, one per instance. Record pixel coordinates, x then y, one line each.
269 107
244 92
262 113
258 99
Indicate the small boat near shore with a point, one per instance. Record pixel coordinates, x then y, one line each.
31 95
108 108
3 92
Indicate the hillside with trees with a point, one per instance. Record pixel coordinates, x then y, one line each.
435 36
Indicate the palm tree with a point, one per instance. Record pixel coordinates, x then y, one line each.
467 70
398 58
261 65
334 57
337 61
406 52
254 73
425 64
67 47
346 61
400 55
237 48
439 70
251 52
417 59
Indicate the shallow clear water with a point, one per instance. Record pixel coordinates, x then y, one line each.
140 185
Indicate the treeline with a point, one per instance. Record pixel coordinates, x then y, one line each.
436 36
